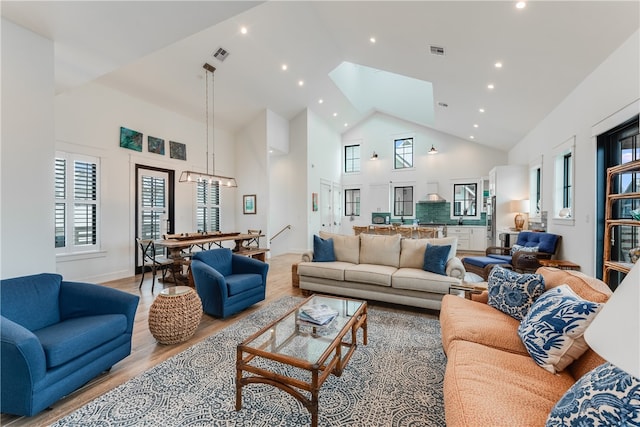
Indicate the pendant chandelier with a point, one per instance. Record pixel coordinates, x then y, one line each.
211 178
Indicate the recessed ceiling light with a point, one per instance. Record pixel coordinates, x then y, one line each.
346 124
472 137
243 30
372 39
498 64
475 125
335 114
490 86
284 67
300 82
481 110
521 4
320 101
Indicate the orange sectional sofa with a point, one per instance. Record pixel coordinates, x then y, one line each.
490 378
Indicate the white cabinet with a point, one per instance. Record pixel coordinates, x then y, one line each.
469 238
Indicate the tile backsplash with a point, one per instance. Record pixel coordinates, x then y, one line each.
440 213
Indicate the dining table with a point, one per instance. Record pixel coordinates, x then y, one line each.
179 248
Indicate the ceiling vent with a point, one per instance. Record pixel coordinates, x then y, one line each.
436 50
221 54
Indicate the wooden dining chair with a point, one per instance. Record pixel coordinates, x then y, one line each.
406 232
360 229
152 260
254 242
385 230
427 232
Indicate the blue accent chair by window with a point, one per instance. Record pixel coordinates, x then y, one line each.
56 336
228 283
523 256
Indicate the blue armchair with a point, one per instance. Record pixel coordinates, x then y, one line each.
56 336
226 282
523 256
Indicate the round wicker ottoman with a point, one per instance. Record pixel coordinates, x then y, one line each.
175 315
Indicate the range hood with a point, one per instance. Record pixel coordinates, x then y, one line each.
432 193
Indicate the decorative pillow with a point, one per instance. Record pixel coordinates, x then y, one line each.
552 330
346 248
516 248
435 259
606 396
323 250
513 293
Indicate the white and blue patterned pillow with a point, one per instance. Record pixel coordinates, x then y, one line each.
552 331
513 293
606 396
516 248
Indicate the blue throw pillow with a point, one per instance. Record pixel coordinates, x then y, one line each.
323 250
606 396
435 258
552 331
513 293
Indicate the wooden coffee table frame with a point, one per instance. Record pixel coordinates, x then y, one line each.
330 362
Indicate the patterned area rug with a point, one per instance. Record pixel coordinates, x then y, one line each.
395 380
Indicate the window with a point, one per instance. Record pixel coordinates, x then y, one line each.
76 203
153 205
352 202
403 153
208 206
403 201
535 188
564 178
351 158
465 199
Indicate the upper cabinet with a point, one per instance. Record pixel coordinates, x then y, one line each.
466 198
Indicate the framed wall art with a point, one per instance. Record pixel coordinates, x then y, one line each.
249 204
130 139
155 145
177 150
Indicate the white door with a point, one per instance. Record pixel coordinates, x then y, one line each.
337 209
326 211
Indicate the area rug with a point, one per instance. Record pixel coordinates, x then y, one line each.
395 380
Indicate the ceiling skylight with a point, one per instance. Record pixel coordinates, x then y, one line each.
369 89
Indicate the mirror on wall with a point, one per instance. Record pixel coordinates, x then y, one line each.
465 199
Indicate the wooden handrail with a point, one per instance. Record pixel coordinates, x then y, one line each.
280 232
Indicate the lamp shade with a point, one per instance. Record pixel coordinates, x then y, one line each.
615 332
519 206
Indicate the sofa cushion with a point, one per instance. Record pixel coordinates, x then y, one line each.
31 301
420 280
323 249
380 250
370 273
435 259
513 293
243 282
66 340
605 396
484 386
546 242
553 329
412 250
325 270
463 319
586 287
346 248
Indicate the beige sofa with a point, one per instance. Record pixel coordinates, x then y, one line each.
382 268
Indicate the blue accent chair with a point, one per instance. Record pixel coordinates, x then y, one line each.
522 261
228 283
56 336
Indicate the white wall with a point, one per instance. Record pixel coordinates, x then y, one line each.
88 121
26 154
456 159
608 89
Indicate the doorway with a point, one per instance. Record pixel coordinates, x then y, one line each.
154 205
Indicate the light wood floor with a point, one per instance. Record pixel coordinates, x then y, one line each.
146 352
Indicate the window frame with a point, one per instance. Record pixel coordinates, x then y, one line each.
535 188
350 193
70 203
354 159
397 203
400 152
564 182
211 203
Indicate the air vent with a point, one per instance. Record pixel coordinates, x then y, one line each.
436 50
221 54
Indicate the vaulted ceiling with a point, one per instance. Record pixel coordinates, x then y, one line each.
155 50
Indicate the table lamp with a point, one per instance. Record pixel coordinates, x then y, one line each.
520 207
615 332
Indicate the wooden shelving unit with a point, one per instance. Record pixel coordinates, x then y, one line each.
611 223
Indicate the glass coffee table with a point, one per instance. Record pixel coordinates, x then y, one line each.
318 350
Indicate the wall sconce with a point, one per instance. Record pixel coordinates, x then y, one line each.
433 150
374 156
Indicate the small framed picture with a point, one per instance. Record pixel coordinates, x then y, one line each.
249 204
314 202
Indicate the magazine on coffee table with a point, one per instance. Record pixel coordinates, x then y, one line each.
317 314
